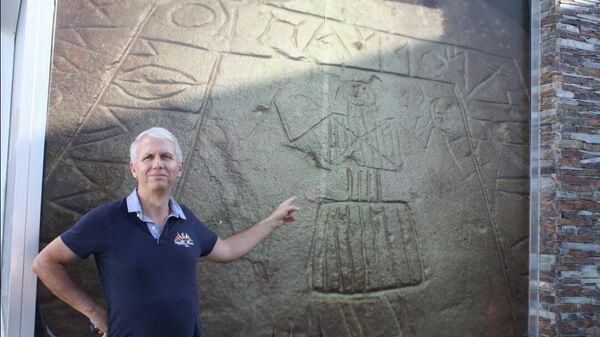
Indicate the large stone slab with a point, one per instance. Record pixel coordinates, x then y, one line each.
403 133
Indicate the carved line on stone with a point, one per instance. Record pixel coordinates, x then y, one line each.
525 194
145 109
301 59
370 70
139 95
98 9
301 12
316 160
103 139
63 64
361 329
85 117
64 208
499 246
522 78
99 161
344 320
189 45
393 314
281 7
318 30
203 112
78 37
406 257
249 55
234 21
388 242
227 18
363 247
485 81
366 297
185 75
310 266
380 54
338 252
520 241
79 171
360 138
85 176
327 200
333 222
116 120
92 26
273 19
149 45
349 250
323 260
491 120
519 153
467 73
284 125
413 228
85 48
57 39
57 200
524 178
524 141
449 148
110 114
175 42
176 22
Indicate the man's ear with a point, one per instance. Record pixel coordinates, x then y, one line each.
181 167
132 170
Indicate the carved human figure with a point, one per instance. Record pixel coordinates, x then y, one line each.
363 246
362 243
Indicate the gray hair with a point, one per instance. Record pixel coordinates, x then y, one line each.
160 133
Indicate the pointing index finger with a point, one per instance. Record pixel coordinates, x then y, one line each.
290 200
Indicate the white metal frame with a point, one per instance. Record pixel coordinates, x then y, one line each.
24 175
534 173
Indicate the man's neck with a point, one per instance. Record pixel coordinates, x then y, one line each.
155 204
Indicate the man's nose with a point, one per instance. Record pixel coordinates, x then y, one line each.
157 162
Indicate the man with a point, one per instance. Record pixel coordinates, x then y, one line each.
146 249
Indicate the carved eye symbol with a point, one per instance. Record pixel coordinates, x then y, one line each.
193 15
151 82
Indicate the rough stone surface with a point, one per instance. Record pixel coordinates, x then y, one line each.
402 127
570 219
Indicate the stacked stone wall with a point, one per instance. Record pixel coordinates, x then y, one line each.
570 170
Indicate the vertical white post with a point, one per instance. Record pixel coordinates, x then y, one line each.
24 176
534 173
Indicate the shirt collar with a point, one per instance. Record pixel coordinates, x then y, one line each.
135 206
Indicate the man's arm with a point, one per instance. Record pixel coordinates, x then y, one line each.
238 245
50 266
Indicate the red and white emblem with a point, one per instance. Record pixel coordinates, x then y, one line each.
183 239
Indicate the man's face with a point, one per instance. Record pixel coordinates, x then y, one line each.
156 166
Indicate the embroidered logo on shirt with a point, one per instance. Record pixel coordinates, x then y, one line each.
183 239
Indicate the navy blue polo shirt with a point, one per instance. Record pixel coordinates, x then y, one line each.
149 284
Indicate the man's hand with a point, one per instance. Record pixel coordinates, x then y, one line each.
99 319
284 213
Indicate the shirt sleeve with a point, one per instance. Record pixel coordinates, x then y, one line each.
87 235
208 238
